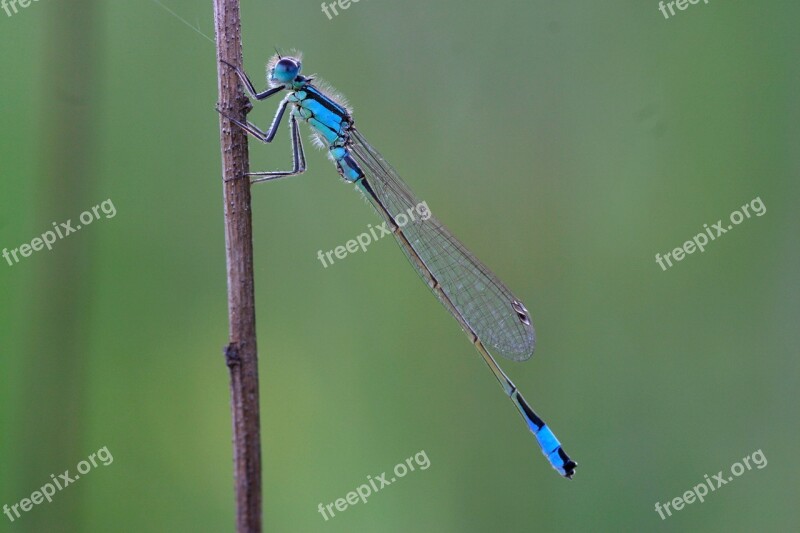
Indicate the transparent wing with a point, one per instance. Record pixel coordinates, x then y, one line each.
491 311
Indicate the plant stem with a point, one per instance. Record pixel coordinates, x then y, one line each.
240 354
55 378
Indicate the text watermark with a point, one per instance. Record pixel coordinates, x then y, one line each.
59 231
48 490
342 4
8 5
375 233
700 490
700 240
680 4
364 491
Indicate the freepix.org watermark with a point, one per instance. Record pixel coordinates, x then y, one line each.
59 231
699 492
680 4
9 5
375 233
331 6
754 207
47 491
375 484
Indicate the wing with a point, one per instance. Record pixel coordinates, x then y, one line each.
466 287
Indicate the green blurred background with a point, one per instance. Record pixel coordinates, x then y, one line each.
564 143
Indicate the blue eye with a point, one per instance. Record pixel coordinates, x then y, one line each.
286 70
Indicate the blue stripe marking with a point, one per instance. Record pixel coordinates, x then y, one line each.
323 114
547 440
316 95
329 135
557 462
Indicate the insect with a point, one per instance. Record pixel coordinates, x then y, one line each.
491 316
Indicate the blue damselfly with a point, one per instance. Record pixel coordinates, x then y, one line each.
491 316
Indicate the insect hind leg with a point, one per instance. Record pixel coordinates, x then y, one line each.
298 158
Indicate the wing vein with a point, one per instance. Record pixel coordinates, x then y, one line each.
480 302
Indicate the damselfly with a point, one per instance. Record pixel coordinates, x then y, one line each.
491 316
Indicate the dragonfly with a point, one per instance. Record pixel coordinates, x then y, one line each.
492 317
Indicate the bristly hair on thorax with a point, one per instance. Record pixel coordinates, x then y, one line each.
328 90
324 87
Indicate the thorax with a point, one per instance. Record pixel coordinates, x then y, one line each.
326 116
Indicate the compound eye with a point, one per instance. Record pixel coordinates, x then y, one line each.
286 70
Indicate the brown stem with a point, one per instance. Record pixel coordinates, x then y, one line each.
240 354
